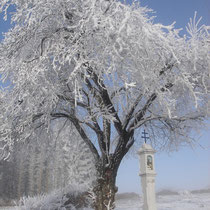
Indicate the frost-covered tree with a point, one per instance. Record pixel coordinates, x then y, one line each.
67 165
109 70
47 162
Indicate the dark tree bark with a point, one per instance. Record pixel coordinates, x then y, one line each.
104 191
105 188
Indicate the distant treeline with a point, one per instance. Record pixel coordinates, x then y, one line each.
47 162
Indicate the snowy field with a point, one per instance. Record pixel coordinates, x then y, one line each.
175 202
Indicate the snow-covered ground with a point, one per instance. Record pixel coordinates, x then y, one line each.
175 202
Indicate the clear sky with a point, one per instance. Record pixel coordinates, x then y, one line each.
186 168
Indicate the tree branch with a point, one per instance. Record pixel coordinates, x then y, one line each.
140 114
106 99
82 133
130 113
117 91
79 128
72 101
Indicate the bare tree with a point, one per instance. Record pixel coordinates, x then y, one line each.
109 70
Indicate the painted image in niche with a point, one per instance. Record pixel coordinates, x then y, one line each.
149 162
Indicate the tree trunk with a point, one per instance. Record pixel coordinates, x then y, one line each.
105 191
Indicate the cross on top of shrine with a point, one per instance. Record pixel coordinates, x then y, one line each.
145 137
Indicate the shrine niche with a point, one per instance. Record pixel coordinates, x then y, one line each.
149 162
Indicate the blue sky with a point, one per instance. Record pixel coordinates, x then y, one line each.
187 168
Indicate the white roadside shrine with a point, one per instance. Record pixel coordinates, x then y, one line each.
147 173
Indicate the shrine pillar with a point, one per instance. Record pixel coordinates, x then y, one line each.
147 173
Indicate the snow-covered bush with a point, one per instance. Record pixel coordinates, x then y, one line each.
72 197
185 193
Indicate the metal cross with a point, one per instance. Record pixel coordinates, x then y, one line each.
145 136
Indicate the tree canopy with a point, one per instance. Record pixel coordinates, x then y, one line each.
108 69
